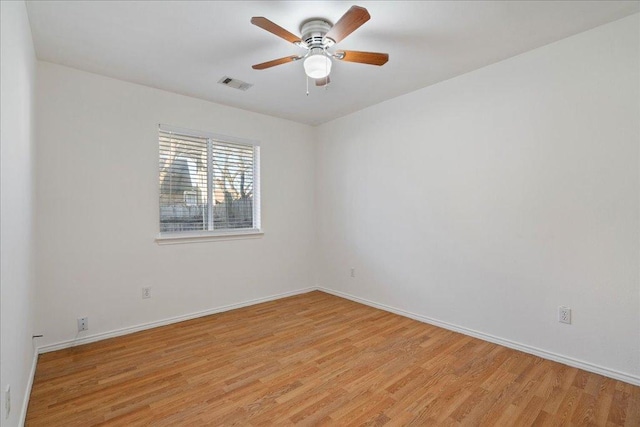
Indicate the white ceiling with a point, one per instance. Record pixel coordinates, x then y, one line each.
186 47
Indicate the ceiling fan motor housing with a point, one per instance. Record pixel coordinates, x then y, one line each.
313 33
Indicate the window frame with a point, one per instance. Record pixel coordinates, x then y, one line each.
175 237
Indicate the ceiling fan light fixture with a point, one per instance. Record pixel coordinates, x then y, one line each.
317 36
317 66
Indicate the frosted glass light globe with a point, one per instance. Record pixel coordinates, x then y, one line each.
317 66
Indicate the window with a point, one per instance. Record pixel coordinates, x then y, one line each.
209 184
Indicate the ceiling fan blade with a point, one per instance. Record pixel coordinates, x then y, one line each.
265 24
350 21
275 62
372 58
323 81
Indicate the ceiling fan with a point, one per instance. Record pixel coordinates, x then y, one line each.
318 36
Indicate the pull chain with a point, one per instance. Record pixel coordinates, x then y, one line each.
307 84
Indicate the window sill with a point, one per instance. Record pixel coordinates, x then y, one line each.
179 238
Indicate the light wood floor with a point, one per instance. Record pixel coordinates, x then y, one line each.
316 359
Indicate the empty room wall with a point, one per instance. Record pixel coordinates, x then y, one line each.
97 196
18 68
486 201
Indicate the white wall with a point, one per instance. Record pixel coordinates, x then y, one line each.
18 66
97 195
490 199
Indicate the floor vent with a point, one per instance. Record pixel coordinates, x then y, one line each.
234 83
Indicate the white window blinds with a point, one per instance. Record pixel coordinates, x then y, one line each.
207 182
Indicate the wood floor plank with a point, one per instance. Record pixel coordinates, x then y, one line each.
316 359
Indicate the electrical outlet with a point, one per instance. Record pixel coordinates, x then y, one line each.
353 272
83 324
7 402
564 314
146 292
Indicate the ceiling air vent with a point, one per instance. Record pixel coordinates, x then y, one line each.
234 83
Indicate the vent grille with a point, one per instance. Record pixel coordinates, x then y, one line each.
234 83
315 40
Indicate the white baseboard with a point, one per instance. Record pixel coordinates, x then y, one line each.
576 363
27 391
611 373
144 326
